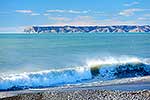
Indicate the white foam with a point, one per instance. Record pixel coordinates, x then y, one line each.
45 78
113 60
66 76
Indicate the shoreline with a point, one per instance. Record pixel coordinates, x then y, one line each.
125 91
87 29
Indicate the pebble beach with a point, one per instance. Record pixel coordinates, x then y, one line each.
89 94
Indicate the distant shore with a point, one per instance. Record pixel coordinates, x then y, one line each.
87 29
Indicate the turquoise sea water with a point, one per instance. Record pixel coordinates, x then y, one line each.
21 53
32 52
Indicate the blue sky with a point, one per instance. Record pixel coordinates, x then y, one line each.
17 14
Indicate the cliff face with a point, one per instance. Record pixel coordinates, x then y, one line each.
87 29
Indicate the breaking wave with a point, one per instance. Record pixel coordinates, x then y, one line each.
102 69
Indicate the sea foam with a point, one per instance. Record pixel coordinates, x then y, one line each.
105 69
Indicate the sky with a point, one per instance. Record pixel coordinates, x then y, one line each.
15 15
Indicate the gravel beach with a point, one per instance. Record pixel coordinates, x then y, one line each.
89 94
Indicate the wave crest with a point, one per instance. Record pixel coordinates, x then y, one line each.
103 69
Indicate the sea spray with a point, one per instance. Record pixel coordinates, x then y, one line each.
103 69
45 78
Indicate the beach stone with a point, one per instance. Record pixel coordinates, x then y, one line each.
88 94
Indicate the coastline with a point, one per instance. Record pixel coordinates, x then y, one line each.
87 29
139 90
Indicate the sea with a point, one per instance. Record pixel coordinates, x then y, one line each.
31 61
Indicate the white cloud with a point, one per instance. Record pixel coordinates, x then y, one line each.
129 12
59 19
67 11
35 14
131 4
79 20
142 18
45 14
57 10
145 17
28 12
24 11
91 21
74 11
